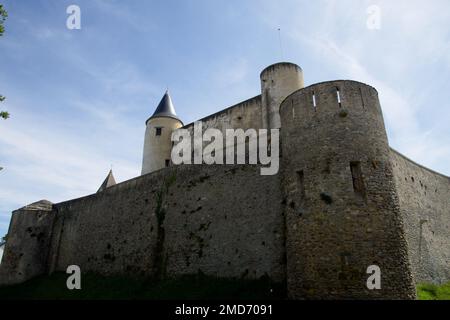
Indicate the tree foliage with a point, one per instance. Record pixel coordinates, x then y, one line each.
3 16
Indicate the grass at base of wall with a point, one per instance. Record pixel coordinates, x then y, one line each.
428 291
191 287
124 288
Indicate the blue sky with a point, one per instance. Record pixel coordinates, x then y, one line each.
79 98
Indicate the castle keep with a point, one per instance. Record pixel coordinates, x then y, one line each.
343 200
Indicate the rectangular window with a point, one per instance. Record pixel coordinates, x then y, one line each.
338 95
362 97
314 100
358 182
167 162
158 131
301 184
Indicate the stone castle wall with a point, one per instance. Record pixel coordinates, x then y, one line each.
424 197
27 248
342 210
343 200
244 115
219 220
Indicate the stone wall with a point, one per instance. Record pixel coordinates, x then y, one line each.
244 115
1 252
220 220
424 198
342 210
27 248
225 221
343 201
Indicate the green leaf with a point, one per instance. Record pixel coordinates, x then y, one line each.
4 114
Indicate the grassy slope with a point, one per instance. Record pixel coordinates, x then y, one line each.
188 287
428 291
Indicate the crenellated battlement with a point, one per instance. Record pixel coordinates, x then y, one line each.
334 95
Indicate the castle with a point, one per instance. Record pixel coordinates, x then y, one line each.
342 201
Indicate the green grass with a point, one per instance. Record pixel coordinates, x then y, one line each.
124 288
427 291
95 287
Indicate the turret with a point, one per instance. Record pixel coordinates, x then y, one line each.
157 141
277 82
342 208
108 182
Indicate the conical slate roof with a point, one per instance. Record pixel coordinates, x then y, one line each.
109 181
165 108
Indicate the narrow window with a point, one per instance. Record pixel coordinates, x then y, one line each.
362 98
280 146
338 94
167 162
158 131
358 182
301 184
314 100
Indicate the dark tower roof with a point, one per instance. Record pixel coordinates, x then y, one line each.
109 181
165 108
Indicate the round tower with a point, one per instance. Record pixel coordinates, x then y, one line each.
157 140
342 211
277 82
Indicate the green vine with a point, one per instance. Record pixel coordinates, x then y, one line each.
160 212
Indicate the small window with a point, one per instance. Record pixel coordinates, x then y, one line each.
314 100
158 131
362 97
338 95
358 181
167 162
301 184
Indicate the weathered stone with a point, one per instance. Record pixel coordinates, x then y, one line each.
344 200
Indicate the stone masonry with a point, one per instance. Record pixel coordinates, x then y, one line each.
342 201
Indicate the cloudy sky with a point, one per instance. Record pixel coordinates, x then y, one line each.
79 98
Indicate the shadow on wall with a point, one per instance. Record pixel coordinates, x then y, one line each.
2 247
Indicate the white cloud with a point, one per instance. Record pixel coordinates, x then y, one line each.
43 162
